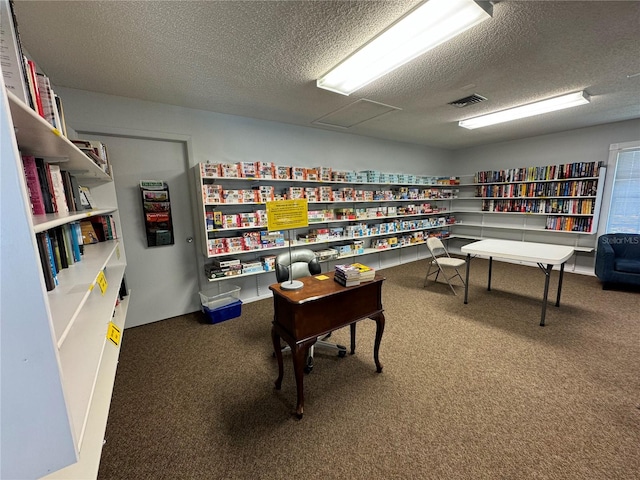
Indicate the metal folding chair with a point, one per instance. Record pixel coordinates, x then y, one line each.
440 261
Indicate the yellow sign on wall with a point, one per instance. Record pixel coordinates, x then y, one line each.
287 214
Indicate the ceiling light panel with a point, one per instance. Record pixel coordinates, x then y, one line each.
429 25
544 106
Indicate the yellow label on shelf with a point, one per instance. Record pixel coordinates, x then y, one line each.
56 132
102 282
322 277
118 251
113 333
286 214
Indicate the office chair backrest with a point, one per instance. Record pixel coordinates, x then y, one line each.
303 263
436 247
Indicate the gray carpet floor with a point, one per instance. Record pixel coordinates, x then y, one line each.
477 391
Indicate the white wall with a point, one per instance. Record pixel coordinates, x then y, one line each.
582 145
220 137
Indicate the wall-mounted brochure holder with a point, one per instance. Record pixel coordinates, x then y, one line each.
156 205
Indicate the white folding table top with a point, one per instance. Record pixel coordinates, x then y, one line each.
522 251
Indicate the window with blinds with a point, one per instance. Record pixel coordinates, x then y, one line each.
624 210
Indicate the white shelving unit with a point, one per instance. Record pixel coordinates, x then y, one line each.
474 223
58 367
443 205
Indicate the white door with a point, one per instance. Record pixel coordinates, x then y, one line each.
163 280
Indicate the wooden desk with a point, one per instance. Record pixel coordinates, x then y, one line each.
319 307
543 254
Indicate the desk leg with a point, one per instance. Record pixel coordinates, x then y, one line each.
278 351
376 348
560 285
353 338
490 267
299 355
466 283
547 274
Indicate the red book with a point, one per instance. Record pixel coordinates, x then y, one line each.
33 184
33 79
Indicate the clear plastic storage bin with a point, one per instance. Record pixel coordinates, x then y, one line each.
221 296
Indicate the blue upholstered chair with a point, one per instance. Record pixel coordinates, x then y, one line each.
618 259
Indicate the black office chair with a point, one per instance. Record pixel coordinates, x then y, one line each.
303 262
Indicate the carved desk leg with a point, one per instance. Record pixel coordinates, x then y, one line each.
278 351
299 355
379 331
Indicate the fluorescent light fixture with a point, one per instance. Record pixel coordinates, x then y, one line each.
537 108
427 26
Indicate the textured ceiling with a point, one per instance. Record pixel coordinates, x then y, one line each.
260 59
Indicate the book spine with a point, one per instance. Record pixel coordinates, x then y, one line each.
59 236
54 204
50 256
13 68
33 80
43 251
46 98
78 244
58 189
44 185
33 185
68 191
68 244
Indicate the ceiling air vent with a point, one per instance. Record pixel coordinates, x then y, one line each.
470 100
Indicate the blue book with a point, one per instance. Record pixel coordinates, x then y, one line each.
54 270
75 233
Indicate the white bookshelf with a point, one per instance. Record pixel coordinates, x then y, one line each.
58 364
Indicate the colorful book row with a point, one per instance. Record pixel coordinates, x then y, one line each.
583 206
573 188
548 172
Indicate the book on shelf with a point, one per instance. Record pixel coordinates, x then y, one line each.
43 251
50 257
76 240
45 185
89 234
60 110
96 151
67 235
36 197
58 188
60 249
11 57
34 88
86 200
105 227
69 193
